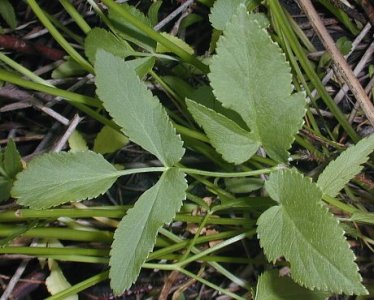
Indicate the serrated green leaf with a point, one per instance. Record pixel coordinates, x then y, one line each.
135 109
222 11
135 236
77 142
141 65
12 160
234 143
250 75
177 41
8 13
303 231
109 140
99 38
56 178
271 286
349 163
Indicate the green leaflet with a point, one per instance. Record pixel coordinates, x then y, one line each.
349 163
234 143
108 140
222 11
77 142
136 233
135 109
56 178
302 230
250 75
10 165
99 38
271 286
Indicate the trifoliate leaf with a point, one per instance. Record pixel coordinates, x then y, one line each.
135 109
136 234
250 75
177 41
271 286
77 142
302 230
56 178
99 38
234 143
340 171
109 140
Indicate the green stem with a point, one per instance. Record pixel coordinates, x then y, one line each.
208 283
215 248
60 233
76 16
58 37
335 202
277 11
230 174
67 95
36 251
21 69
142 170
80 286
149 31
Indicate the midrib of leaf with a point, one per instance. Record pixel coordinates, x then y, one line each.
311 245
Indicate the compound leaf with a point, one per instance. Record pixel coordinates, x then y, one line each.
136 234
271 286
340 171
302 230
56 178
250 75
135 109
234 143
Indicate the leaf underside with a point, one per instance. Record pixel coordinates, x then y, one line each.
250 75
56 178
349 163
271 286
303 231
234 143
135 109
135 236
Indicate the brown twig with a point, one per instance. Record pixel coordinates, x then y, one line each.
341 64
22 46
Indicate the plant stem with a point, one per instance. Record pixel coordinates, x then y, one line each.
59 38
141 170
76 16
67 95
278 13
230 174
149 31
80 286
335 202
